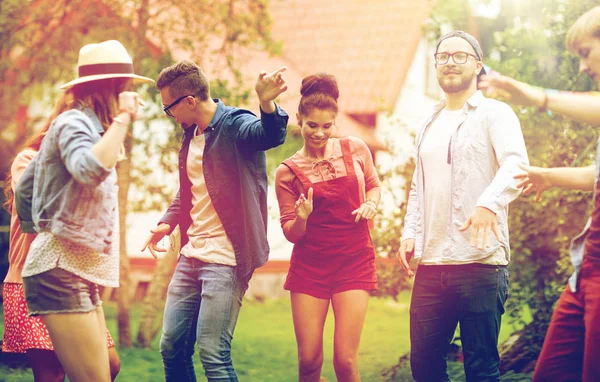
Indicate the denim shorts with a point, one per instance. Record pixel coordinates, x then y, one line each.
60 291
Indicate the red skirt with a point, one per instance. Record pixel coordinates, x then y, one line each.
22 332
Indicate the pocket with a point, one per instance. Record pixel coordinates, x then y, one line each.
503 291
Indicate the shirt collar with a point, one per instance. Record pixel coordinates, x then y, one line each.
218 114
95 121
221 108
474 101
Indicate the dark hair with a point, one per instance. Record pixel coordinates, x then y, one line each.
184 78
319 91
101 96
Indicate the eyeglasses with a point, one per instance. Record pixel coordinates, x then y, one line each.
457 57
166 108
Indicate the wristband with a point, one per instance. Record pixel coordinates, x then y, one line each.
132 114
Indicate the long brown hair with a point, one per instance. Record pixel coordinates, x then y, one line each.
102 96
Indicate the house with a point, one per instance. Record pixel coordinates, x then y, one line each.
385 73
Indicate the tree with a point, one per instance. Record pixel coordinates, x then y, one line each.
53 31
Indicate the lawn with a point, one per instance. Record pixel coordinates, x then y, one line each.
264 348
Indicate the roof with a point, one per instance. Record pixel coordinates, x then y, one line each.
368 45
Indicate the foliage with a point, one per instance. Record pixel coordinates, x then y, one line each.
389 225
293 143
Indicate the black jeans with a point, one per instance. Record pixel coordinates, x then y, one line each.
444 296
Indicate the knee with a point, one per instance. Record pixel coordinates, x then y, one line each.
427 371
309 363
345 364
50 374
213 356
169 350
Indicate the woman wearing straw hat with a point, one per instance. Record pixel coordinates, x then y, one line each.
73 206
24 334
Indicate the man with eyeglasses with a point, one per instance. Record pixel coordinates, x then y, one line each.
221 210
456 222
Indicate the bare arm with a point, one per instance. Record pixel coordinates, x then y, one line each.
108 149
540 179
582 107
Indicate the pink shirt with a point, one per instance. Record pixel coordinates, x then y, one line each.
19 241
288 187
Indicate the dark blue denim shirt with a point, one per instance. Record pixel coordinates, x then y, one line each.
234 164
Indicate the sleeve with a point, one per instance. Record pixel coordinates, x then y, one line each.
411 219
75 141
286 195
22 160
366 159
508 143
262 134
24 196
171 217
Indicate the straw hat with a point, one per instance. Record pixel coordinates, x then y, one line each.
108 59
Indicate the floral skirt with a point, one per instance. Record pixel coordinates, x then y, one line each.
22 332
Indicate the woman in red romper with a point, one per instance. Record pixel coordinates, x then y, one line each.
327 192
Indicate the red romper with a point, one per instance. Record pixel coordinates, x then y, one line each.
335 254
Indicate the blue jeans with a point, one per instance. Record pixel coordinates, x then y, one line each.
472 295
203 302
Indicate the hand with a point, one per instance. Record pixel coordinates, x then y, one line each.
157 233
304 206
270 86
481 221
129 102
511 89
366 211
533 179
405 253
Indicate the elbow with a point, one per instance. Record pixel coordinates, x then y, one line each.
88 171
86 180
291 236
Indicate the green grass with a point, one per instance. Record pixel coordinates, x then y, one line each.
264 347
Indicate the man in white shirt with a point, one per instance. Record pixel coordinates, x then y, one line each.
456 225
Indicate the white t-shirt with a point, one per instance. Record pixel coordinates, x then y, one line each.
437 184
208 240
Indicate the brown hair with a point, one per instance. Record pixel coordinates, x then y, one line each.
101 96
587 24
184 78
319 91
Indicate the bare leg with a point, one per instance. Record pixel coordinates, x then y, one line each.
79 341
309 315
350 309
45 366
114 363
